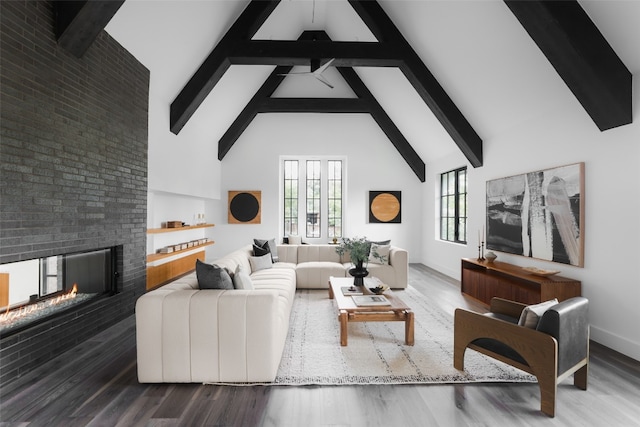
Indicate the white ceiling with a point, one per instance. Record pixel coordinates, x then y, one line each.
477 50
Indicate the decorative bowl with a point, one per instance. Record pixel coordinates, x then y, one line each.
540 272
490 256
379 290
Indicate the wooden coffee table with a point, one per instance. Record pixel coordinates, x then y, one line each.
348 311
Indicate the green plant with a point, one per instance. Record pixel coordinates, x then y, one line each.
359 249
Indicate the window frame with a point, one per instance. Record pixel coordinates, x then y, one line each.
453 192
327 208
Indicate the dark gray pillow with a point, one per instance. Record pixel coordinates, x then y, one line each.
269 244
260 250
212 277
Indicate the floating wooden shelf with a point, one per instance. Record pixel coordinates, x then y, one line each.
170 230
156 257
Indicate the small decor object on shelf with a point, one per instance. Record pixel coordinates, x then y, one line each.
490 256
540 272
174 224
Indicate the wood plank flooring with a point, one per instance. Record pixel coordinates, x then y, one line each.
95 384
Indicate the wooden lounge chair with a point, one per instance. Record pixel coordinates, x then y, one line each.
555 349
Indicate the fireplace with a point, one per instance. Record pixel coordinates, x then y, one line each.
34 291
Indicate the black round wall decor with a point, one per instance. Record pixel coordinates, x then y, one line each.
244 207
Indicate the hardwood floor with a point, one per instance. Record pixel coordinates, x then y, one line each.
95 384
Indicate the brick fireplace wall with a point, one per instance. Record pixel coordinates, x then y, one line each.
73 168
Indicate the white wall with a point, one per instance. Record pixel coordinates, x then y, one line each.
610 277
372 164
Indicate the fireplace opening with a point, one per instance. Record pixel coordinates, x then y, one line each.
36 290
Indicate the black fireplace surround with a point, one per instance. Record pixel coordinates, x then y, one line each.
73 175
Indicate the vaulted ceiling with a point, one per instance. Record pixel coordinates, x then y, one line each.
178 41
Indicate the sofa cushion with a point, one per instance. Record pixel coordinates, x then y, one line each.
212 276
315 274
379 254
532 313
260 262
312 253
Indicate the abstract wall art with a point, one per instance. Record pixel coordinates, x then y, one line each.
244 207
385 207
539 214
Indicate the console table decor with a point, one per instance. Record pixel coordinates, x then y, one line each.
484 280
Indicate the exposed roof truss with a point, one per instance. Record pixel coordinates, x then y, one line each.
391 50
262 102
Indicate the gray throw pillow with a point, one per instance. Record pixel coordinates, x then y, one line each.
212 277
260 262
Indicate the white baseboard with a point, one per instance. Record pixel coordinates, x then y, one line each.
616 342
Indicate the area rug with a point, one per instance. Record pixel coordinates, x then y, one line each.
376 352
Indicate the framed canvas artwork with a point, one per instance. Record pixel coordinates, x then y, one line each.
385 207
538 214
244 207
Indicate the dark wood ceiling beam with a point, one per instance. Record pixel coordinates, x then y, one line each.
300 52
365 102
384 121
422 80
314 105
78 23
582 57
250 111
445 110
217 63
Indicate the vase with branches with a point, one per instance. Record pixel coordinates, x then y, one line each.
358 249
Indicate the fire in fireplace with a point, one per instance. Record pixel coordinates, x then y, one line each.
33 291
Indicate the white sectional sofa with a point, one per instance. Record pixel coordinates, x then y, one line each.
188 335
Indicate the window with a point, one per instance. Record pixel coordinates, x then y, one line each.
316 185
453 206
290 197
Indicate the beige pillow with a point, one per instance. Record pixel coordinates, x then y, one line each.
531 314
260 262
241 279
382 252
295 240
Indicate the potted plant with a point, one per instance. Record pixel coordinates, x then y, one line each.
358 250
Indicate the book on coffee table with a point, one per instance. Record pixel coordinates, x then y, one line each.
370 300
351 290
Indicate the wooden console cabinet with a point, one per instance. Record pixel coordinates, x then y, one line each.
483 280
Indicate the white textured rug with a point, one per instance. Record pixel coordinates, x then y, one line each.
376 353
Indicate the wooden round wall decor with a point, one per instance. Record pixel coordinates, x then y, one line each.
384 206
244 207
